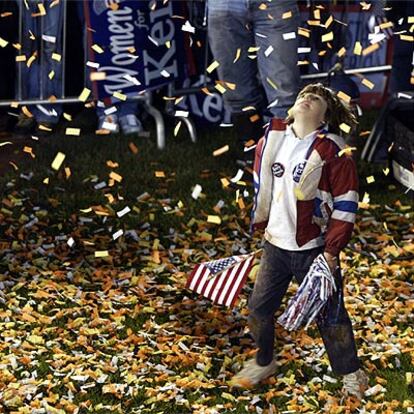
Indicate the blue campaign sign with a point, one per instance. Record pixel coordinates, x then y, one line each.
141 41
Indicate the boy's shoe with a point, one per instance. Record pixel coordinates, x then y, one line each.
130 124
355 384
252 374
24 125
108 124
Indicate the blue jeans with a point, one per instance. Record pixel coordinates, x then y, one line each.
277 268
35 79
278 72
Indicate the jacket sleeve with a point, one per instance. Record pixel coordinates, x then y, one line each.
343 182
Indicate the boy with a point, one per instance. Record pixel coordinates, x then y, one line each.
306 197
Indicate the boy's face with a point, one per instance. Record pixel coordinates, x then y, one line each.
311 105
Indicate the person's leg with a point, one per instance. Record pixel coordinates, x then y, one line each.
271 284
51 35
230 38
334 324
336 330
277 57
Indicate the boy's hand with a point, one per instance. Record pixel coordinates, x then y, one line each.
332 261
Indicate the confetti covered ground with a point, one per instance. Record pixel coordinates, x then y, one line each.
96 245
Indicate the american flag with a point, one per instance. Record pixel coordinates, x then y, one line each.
221 280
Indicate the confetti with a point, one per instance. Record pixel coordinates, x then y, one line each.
3 43
212 66
97 48
73 131
102 253
370 179
289 36
57 162
221 150
214 219
84 94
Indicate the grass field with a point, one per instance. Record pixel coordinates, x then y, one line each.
95 317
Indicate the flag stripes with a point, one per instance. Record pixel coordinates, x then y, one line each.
223 287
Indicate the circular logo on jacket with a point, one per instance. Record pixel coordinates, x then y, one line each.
297 171
278 169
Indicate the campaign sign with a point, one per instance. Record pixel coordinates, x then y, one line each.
137 44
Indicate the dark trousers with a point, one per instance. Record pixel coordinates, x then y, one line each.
277 269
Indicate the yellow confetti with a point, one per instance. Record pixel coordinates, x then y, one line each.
51 74
212 66
271 83
97 76
26 111
84 94
341 52
42 10
120 96
56 56
344 96
329 21
3 43
287 15
220 88
160 174
21 58
408 377
214 219
370 179
224 182
68 172
177 128
31 60
345 127
346 151
101 253
221 150
97 48
357 48
115 176
407 38
67 116
73 131
57 162
386 171
327 37
386 25
303 32
368 83
370 49
46 180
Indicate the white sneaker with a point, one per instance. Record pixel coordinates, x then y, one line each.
252 374
355 384
108 124
130 124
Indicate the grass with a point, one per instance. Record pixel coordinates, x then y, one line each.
133 303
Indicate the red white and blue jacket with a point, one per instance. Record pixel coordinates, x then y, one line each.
327 192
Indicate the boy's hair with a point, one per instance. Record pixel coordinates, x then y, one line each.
337 112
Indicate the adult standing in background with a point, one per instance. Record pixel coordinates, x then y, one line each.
255 44
41 64
8 32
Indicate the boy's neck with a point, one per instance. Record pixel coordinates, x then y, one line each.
302 128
